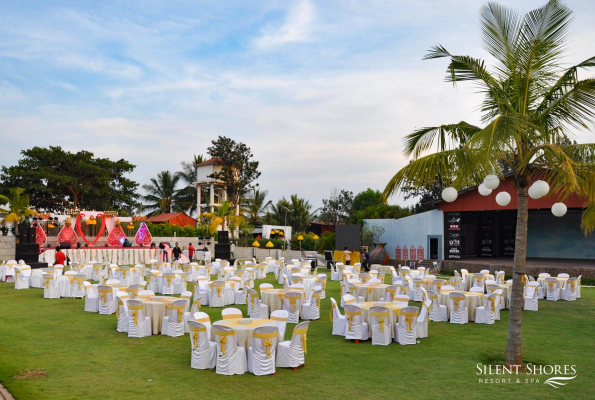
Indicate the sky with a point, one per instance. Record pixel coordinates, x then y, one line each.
323 92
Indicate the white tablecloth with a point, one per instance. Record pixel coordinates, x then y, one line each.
244 332
103 255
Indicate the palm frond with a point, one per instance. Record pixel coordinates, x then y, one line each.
452 135
500 27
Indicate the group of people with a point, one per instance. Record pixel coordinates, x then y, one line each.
364 257
176 253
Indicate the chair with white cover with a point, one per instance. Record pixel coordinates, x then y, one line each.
151 279
133 291
355 327
203 289
50 290
401 298
437 284
20 280
204 319
500 277
107 302
122 315
91 298
577 288
231 313
256 308
77 289
281 317
291 353
239 290
439 312
292 303
486 314
499 303
231 358
417 286
173 323
145 294
97 271
423 320
406 327
203 351
476 289
58 270
168 282
321 285
531 298
335 275
569 292
478 281
338 319
180 282
311 308
348 299
563 275
265 286
389 293
458 308
216 298
490 289
552 290
379 318
484 271
352 290
124 275
139 325
261 355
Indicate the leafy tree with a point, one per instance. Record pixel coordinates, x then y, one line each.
162 195
531 103
255 205
188 197
365 199
298 217
18 207
380 211
427 196
338 207
57 180
238 169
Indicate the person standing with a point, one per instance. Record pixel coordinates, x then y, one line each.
366 260
232 250
177 252
347 256
190 252
60 257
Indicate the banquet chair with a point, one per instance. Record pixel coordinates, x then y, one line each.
499 303
365 277
180 282
265 286
563 275
77 289
145 294
203 318
167 284
261 355
352 290
231 313
417 286
395 275
478 281
295 278
139 325
379 318
291 353
177 316
423 320
490 289
389 293
122 315
531 298
292 303
151 279
311 308
338 319
321 285
486 314
133 291
577 288
231 358
335 275
97 271
421 271
465 275
50 290
112 282
203 351
196 306
91 298
484 271
216 296
256 308
476 289
285 282
500 277
404 289
458 308
348 299
569 292
281 317
58 270
20 280
107 303
202 285
124 275
406 327
401 298
239 290
355 328
552 290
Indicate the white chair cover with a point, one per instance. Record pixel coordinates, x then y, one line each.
530 300
291 353
355 328
552 290
423 320
569 292
173 323
379 318
77 289
261 355
216 298
406 327
281 317
50 291
107 302
139 325
458 308
486 314
338 319
203 351
231 358
91 298
292 304
122 315
311 308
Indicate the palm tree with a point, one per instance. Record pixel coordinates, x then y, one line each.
224 215
162 195
298 217
18 208
255 205
531 103
188 197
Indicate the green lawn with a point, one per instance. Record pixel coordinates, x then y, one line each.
80 355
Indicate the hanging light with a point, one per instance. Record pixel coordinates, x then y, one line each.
491 181
483 190
559 209
503 199
539 189
449 194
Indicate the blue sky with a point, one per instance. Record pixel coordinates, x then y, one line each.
322 91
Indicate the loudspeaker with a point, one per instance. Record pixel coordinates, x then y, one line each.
222 250
223 237
65 245
26 234
28 252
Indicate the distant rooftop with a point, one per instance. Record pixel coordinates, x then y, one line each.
214 160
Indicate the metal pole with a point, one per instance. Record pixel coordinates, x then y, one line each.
285 230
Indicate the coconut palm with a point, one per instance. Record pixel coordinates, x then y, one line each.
255 205
18 208
162 195
188 196
224 215
531 104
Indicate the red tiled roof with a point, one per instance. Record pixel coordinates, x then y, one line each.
163 217
214 160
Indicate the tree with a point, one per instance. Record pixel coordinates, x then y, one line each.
380 211
338 207
298 217
18 208
255 206
57 180
188 197
162 195
224 215
366 199
238 169
531 102
427 195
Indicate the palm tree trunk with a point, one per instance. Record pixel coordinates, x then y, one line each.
514 345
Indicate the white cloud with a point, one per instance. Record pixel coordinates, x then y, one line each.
297 27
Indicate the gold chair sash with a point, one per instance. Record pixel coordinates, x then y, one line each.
47 281
409 318
135 312
381 317
103 293
267 340
303 332
180 310
232 316
349 315
223 338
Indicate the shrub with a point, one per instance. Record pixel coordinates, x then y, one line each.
307 244
167 230
326 242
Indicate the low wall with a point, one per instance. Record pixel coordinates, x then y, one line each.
248 252
7 247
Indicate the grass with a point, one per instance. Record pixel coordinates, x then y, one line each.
51 349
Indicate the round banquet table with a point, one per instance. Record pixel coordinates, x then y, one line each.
382 269
244 331
370 292
156 308
561 282
473 300
470 279
274 297
395 307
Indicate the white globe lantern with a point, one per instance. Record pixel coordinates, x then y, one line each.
483 190
491 181
539 189
559 209
450 194
503 199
